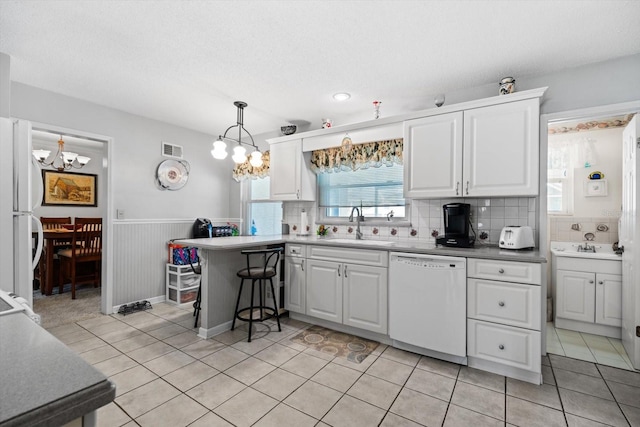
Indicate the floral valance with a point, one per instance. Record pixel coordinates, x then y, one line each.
357 156
244 170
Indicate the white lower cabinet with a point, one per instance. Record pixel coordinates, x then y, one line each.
324 290
506 345
295 284
352 293
588 295
364 297
609 299
504 318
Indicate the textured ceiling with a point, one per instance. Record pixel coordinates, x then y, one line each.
185 62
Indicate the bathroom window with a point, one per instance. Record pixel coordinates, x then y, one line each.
561 160
378 190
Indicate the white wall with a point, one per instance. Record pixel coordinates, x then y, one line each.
588 85
136 153
607 150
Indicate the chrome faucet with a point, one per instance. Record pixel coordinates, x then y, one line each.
586 248
359 218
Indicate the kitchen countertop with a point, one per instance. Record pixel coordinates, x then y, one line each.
413 246
44 383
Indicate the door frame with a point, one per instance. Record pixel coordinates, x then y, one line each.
545 120
106 301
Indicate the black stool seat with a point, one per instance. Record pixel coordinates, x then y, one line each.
257 273
262 265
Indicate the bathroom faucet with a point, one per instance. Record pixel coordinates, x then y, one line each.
359 218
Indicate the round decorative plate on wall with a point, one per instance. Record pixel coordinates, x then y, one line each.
172 174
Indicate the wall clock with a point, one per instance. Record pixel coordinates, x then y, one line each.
172 174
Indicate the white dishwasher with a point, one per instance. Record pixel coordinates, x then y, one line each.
428 304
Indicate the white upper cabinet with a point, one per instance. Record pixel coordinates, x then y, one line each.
433 156
291 177
479 152
501 149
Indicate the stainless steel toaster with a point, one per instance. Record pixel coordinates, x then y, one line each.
516 237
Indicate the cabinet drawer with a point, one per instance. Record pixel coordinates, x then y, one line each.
356 256
502 302
295 250
509 271
519 348
588 265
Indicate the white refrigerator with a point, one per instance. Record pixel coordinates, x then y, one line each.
21 192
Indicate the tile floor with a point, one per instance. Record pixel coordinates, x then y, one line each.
588 347
166 376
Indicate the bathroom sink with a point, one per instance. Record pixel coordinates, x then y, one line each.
366 242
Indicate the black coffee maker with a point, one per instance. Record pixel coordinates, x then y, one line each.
456 226
202 228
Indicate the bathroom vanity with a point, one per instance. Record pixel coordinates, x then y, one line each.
588 288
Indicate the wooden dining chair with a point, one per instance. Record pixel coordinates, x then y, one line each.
50 223
82 261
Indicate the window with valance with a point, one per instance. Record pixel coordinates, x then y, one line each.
245 170
368 175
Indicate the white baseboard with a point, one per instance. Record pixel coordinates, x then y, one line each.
216 330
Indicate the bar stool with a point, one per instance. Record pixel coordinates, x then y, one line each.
258 271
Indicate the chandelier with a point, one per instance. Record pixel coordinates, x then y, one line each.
62 159
239 152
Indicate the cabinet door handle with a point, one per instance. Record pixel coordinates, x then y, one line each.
467 188
457 185
501 347
501 271
601 282
338 270
345 271
590 281
501 303
302 265
298 194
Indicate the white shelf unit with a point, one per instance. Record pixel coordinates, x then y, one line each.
182 284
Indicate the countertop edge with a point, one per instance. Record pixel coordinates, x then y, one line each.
62 411
481 252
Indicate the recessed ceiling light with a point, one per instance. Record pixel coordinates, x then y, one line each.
342 96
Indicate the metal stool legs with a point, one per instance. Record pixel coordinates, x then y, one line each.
196 305
252 307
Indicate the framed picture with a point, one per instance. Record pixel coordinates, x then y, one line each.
595 188
69 189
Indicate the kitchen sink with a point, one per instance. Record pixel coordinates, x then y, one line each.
366 242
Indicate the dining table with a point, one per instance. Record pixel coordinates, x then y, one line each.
50 236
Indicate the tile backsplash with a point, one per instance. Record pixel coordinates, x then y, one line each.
573 229
488 216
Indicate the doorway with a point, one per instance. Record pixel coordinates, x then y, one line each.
581 190
58 309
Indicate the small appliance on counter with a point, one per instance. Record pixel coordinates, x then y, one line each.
202 228
456 226
516 237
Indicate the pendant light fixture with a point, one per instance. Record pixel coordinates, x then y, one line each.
239 152
62 159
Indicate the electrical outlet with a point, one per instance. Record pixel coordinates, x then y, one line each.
120 213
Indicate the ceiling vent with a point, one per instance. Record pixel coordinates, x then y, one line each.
171 150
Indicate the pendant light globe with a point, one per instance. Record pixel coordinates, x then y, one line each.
239 154
256 159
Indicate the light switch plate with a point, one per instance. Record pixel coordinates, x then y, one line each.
120 213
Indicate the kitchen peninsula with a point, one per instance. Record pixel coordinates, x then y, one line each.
221 260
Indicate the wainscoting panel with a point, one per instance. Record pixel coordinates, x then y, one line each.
140 254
